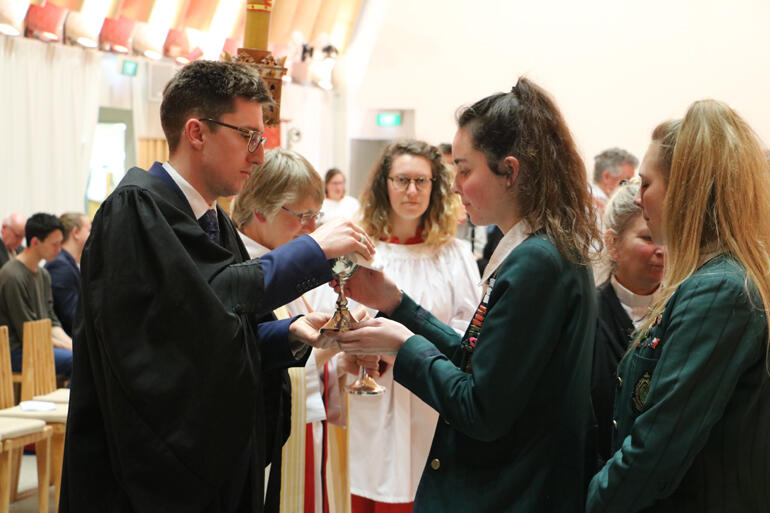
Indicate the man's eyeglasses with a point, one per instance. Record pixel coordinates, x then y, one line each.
401 183
255 138
306 218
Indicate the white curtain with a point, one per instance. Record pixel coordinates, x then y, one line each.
49 107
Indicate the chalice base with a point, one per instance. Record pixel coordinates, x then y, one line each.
340 322
366 386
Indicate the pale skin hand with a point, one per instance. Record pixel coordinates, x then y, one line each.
306 330
341 237
373 289
376 336
60 338
351 363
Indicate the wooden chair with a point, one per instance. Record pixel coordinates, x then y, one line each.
38 370
39 377
15 433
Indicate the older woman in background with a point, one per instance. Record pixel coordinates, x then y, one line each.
279 202
636 268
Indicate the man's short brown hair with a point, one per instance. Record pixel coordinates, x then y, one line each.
207 89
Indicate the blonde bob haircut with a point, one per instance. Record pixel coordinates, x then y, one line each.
439 222
284 177
717 199
619 212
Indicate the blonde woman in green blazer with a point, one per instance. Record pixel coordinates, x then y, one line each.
693 406
513 392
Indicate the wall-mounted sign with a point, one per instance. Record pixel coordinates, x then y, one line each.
389 119
129 68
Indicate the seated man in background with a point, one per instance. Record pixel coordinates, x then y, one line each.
25 291
65 268
12 233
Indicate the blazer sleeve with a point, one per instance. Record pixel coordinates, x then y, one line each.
711 338
523 325
65 286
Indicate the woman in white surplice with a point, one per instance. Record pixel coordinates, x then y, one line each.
279 202
409 209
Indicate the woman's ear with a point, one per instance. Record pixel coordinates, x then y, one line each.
260 217
611 243
511 168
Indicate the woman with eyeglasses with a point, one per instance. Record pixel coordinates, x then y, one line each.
693 405
409 209
279 202
513 393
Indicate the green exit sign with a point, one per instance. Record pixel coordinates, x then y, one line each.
389 119
129 68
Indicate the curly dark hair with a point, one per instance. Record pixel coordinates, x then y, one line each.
552 186
207 89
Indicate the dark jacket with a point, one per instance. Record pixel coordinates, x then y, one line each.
65 287
614 329
167 409
512 432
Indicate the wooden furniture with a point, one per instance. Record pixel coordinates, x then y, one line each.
38 373
15 433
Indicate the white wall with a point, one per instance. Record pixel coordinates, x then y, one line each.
616 68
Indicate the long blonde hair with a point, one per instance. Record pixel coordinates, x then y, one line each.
717 201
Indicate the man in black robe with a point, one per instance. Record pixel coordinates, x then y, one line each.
167 411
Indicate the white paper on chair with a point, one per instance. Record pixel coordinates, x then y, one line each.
37 406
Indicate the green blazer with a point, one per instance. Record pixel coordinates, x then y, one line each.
693 407
512 431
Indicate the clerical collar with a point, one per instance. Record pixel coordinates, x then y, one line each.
197 203
632 300
508 243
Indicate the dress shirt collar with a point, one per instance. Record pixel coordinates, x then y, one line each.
629 298
635 305
197 202
508 243
253 248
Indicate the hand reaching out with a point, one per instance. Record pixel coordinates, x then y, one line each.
306 330
339 237
374 337
373 289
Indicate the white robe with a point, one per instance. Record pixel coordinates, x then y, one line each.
347 207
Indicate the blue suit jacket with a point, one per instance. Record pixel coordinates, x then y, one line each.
65 286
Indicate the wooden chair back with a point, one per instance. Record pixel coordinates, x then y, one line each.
38 371
6 376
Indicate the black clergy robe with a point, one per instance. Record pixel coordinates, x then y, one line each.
167 409
614 330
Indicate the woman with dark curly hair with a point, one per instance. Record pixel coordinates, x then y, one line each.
513 393
408 207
